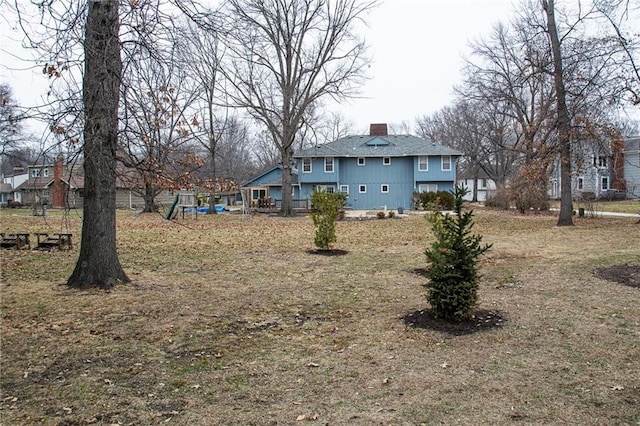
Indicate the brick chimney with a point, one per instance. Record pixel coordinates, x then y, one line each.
379 129
58 188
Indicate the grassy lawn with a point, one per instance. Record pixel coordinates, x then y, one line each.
623 206
230 320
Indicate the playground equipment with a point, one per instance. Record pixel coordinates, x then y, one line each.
185 201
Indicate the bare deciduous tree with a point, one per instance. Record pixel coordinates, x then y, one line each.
285 56
562 114
98 263
156 130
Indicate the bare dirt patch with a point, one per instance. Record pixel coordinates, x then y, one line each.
481 320
328 253
628 275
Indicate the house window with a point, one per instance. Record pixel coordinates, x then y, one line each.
423 163
46 172
386 161
44 193
384 188
326 188
362 189
446 162
361 161
482 184
344 189
428 187
580 183
602 161
306 165
328 165
35 173
258 194
605 183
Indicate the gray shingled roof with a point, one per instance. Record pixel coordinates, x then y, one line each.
377 146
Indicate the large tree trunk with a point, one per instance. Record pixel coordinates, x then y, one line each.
287 202
98 263
564 130
212 158
149 198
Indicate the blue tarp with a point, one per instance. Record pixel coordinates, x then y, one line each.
219 209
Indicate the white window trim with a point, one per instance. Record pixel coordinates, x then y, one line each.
426 169
580 183
46 172
442 163
362 189
424 187
602 179
382 188
326 163
344 189
364 161
310 165
386 161
327 188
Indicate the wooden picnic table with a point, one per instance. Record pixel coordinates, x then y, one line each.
19 241
60 241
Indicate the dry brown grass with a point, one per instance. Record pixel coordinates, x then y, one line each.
232 321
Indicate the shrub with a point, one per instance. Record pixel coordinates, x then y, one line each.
453 276
498 199
380 215
440 200
328 206
391 214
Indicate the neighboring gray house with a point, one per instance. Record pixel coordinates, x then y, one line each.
631 155
597 169
377 170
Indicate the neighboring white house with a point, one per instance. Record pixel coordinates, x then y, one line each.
485 186
631 155
9 184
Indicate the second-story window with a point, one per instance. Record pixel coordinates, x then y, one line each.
386 161
306 165
46 172
328 164
446 162
423 163
35 173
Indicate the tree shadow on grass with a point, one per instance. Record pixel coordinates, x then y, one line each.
331 252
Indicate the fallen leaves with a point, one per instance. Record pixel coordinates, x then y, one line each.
307 417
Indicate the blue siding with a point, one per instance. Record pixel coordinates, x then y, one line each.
397 176
402 177
271 176
434 172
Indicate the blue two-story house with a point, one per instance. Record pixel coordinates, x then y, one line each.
377 170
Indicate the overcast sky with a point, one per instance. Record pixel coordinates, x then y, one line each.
417 48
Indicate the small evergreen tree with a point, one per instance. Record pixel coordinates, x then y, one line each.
327 205
453 276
